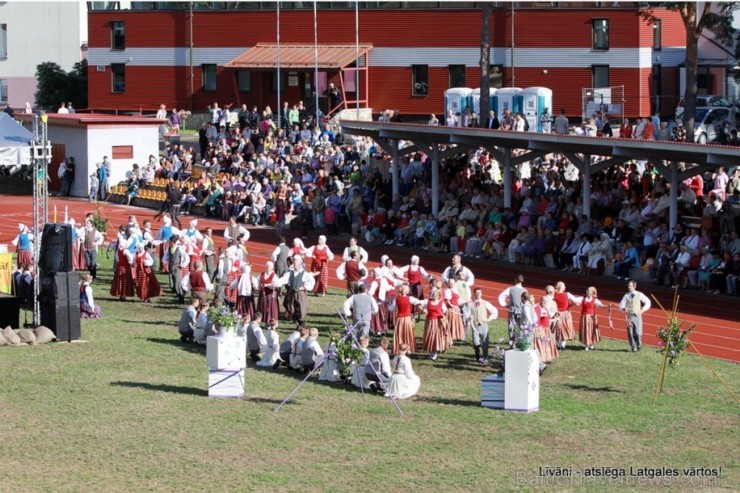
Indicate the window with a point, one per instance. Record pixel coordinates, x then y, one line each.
118 77
122 152
419 80
457 75
3 91
209 77
3 41
600 75
117 35
244 80
657 34
600 34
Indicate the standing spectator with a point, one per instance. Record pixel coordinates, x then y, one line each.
561 123
625 129
546 121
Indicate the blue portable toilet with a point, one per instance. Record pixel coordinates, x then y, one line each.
475 100
457 99
507 99
534 100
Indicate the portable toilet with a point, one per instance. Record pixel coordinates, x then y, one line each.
507 99
457 99
475 102
534 100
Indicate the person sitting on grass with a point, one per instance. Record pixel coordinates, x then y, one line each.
255 338
88 308
311 351
187 321
378 368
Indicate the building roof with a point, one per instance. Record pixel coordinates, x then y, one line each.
264 55
92 119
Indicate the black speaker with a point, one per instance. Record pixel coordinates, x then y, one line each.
63 318
60 286
56 248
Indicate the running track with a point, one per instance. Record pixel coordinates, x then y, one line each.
717 317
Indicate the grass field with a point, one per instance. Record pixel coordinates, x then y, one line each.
128 411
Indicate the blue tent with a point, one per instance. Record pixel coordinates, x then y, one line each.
15 142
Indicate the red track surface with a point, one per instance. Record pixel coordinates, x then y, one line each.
717 317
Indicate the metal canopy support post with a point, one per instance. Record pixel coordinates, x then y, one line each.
586 171
396 170
673 210
507 177
41 155
435 179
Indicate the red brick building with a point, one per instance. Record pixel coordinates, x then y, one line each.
143 57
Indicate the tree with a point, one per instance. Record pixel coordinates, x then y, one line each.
55 86
485 62
715 17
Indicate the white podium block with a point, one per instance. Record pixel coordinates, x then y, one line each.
522 387
226 383
227 352
492 392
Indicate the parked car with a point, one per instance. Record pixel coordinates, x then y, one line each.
705 101
708 123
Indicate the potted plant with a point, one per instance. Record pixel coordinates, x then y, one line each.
223 319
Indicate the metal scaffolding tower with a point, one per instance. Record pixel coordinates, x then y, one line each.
41 155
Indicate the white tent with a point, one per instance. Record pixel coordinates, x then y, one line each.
15 142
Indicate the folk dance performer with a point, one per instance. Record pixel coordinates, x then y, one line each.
268 293
271 349
455 327
298 282
245 285
88 308
359 378
232 277
403 331
321 255
542 336
163 237
146 280
482 313
361 307
634 304
354 247
281 257
452 271
298 248
234 232
77 255
564 330
197 282
549 302
394 278
589 331
464 301
511 298
353 271
208 250
435 330
24 242
404 382
124 281
92 239
377 289
222 275
179 266
329 371
414 273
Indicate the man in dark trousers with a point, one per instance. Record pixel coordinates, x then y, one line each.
175 198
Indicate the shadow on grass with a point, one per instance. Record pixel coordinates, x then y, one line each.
299 376
586 388
174 389
148 322
189 347
449 402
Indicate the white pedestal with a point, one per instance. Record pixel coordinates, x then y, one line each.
226 352
226 383
492 392
522 387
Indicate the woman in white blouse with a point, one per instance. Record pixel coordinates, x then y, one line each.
404 382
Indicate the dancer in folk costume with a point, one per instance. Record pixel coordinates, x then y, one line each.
208 250
404 382
414 273
24 243
354 247
163 238
281 257
564 330
234 232
298 248
465 303
298 282
549 301
222 275
88 308
78 258
91 240
192 233
233 276
192 247
179 265
589 331
147 284
404 330
378 288
321 255
268 293
124 280
482 312
197 282
456 329
543 336
329 370
435 325
244 298
353 271
394 278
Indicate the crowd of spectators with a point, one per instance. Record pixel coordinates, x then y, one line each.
264 175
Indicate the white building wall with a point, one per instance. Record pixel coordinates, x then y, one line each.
38 32
75 145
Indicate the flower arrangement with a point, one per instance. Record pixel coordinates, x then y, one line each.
347 353
223 318
521 335
674 339
497 358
